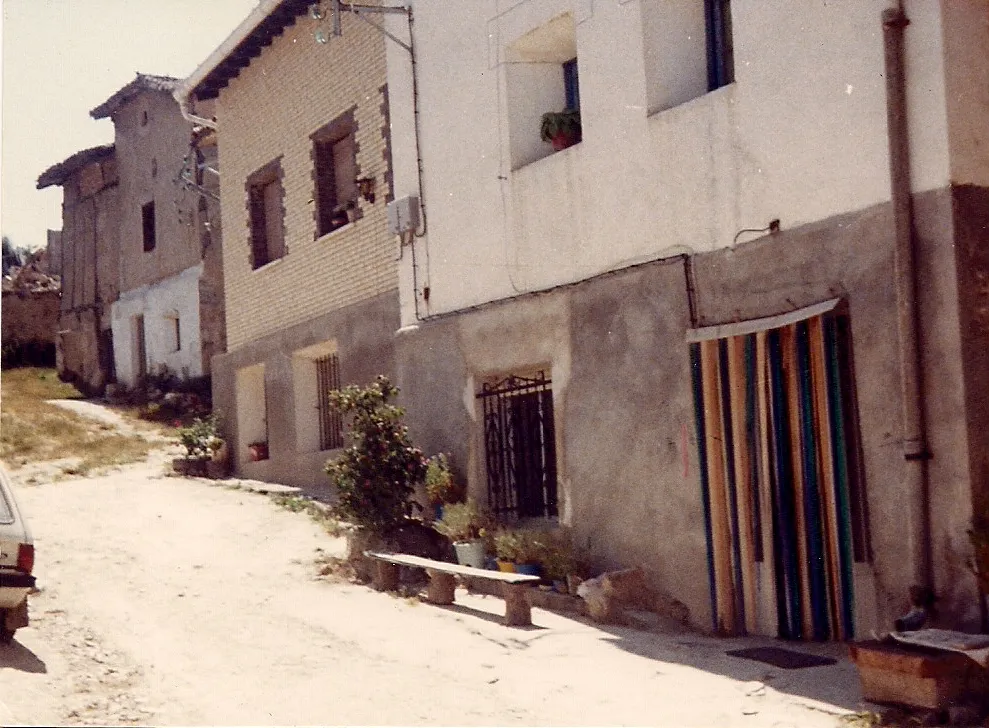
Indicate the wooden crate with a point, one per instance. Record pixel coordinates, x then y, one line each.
915 677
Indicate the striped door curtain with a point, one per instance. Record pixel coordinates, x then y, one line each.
780 475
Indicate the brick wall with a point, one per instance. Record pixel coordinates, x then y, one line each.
292 89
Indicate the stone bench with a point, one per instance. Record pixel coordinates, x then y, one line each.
442 582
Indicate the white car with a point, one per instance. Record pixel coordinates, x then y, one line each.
16 563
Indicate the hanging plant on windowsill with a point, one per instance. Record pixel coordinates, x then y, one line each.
561 128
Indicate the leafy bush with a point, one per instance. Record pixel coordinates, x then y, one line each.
463 521
519 545
201 438
441 486
376 476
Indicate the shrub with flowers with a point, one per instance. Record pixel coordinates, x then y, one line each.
377 474
201 438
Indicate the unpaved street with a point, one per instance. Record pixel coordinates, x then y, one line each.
180 601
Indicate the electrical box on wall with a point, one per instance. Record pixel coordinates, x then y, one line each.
403 215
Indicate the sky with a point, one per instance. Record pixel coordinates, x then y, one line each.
62 58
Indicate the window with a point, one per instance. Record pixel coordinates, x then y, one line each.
148 225
541 77
174 332
687 50
571 87
520 447
330 420
265 212
720 57
335 174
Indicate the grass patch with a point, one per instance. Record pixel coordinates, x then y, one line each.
321 514
31 430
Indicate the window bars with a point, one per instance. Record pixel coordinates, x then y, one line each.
330 421
520 446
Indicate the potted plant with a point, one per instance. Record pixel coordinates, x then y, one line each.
466 525
562 562
258 450
520 547
561 128
441 487
200 440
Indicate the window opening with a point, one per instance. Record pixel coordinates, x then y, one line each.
335 159
330 420
520 447
148 225
720 51
571 84
264 194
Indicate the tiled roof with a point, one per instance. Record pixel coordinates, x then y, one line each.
265 23
58 173
142 82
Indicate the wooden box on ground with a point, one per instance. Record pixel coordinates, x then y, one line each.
916 677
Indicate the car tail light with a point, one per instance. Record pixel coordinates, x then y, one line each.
25 557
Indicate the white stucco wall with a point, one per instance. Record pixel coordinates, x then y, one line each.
159 303
800 136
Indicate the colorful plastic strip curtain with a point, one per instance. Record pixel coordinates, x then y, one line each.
771 422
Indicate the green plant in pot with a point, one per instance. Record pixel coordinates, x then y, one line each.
521 547
562 562
466 525
561 128
442 488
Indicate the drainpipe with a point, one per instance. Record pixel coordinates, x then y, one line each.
182 96
915 451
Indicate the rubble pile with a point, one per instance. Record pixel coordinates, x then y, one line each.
32 277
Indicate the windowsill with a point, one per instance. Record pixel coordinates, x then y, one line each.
334 231
270 263
727 89
552 153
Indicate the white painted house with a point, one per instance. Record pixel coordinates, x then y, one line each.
736 334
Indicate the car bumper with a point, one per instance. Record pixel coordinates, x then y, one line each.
14 588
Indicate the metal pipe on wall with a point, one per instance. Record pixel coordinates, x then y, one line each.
915 450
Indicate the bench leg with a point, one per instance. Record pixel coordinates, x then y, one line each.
518 612
385 576
441 587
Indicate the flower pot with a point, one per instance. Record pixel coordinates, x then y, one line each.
470 553
258 451
563 140
530 569
506 566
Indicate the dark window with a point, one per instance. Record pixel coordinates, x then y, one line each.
720 54
330 420
264 201
335 160
520 447
571 84
148 225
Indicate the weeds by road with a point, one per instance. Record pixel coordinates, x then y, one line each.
32 430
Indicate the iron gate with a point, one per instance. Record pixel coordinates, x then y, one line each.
520 446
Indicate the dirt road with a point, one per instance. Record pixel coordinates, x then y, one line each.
174 601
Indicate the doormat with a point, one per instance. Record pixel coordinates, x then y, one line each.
777 657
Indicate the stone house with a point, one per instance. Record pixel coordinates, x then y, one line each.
169 313
311 280
734 334
87 260
140 248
